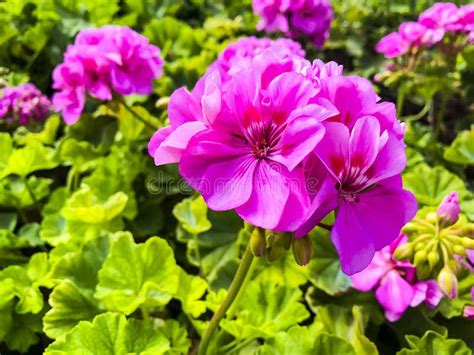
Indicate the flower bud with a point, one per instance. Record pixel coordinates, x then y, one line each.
459 250
433 258
257 242
448 283
468 243
404 252
420 257
449 209
278 243
302 250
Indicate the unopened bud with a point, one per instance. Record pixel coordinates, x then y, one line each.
302 250
420 257
404 252
449 209
433 258
468 243
448 283
459 250
431 217
257 242
278 243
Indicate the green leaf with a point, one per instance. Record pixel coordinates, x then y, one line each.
46 136
461 151
192 215
190 290
284 271
80 154
23 332
346 323
34 156
434 343
111 333
265 309
69 305
324 269
72 300
177 336
140 275
83 206
297 340
332 344
431 185
6 147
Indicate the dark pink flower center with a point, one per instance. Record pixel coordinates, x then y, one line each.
263 131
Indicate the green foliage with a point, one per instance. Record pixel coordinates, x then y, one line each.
434 343
82 270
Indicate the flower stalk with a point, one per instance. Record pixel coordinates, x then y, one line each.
234 289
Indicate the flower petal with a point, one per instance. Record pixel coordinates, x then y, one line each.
394 294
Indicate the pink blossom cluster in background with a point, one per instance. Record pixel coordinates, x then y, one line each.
308 18
395 283
103 61
23 104
284 142
432 26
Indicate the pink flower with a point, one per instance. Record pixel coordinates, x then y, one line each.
418 35
23 104
441 15
395 284
250 158
365 187
190 113
309 18
449 209
469 310
241 54
103 61
393 45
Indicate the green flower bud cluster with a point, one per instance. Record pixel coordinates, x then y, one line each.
274 245
435 247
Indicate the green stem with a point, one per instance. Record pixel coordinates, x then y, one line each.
234 289
400 100
71 180
136 115
419 115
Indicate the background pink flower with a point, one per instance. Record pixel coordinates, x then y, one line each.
103 61
23 104
395 284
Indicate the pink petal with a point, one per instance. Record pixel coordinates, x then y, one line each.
368 278
171 149
183 107
394 294
334 148
364 142
270 192
219 167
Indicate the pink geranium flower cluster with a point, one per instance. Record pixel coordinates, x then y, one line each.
101 62
395 283
432 26
284 142
309 18
23 104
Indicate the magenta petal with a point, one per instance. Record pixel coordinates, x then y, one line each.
351 239
298 202
183 107
301 136
270 179
171 148
374 222
219 167
394 293
368 278
334 148
211 100
364 142
290 91
158 138
433 294
419 295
